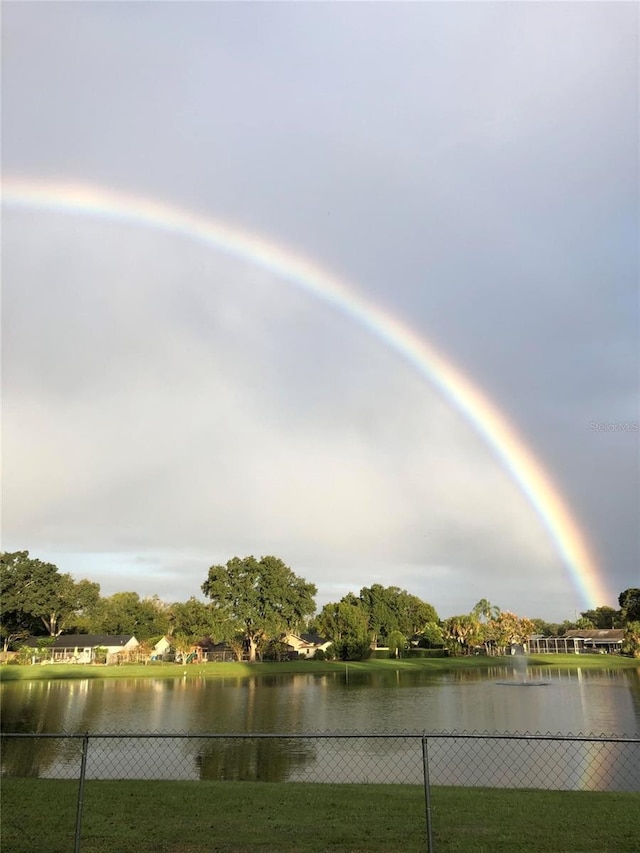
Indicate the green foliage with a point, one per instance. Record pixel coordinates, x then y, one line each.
26 588
464 633
547 629
100 654
352 649
37 653
345 624
397 643
25 655
426 653
34 595
275 650
629 601
430 660
127 613
195 619
259 598
509 628
460 633
319 654
602 617
183 646
484 609
253 601
431 636
85 599
391 609
631 641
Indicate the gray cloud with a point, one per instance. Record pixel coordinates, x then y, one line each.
472 168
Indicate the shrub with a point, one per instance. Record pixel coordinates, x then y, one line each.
426 653
26 654
397 643
352 649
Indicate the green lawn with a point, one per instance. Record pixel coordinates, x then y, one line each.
247 817
10 672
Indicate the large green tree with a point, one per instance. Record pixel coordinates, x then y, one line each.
381 619
127 613
629 601
345 623
195 620
259 598
17 619
34 595
72 605
391 609
413 613
602 617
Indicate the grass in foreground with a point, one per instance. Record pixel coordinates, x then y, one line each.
11 672
243 817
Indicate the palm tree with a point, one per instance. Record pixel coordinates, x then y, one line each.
461 632
484 609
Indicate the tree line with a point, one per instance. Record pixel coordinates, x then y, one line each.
253 602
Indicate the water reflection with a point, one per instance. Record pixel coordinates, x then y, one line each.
45 706
574 701
260 760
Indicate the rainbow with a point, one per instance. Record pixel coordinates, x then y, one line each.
490 423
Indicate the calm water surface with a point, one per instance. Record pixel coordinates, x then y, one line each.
500 700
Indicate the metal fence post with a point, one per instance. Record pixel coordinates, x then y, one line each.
83 770
427 794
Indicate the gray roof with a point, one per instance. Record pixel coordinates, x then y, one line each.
82 641
595 635
313 639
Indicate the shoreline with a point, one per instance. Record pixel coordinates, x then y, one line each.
62 671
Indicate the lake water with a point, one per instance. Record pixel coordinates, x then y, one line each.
498 701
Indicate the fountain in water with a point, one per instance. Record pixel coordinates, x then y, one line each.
521 673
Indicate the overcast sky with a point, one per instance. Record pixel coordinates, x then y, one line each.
470 168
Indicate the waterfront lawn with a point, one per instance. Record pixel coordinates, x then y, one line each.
258 817
12 672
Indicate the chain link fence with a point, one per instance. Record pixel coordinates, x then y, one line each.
462 759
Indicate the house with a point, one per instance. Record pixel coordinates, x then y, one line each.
81 648
161 649
599 640
306 645
540 645
579 641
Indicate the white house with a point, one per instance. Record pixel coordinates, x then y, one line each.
81 648
306 644
162 647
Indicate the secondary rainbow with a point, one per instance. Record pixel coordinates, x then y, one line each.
491 424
